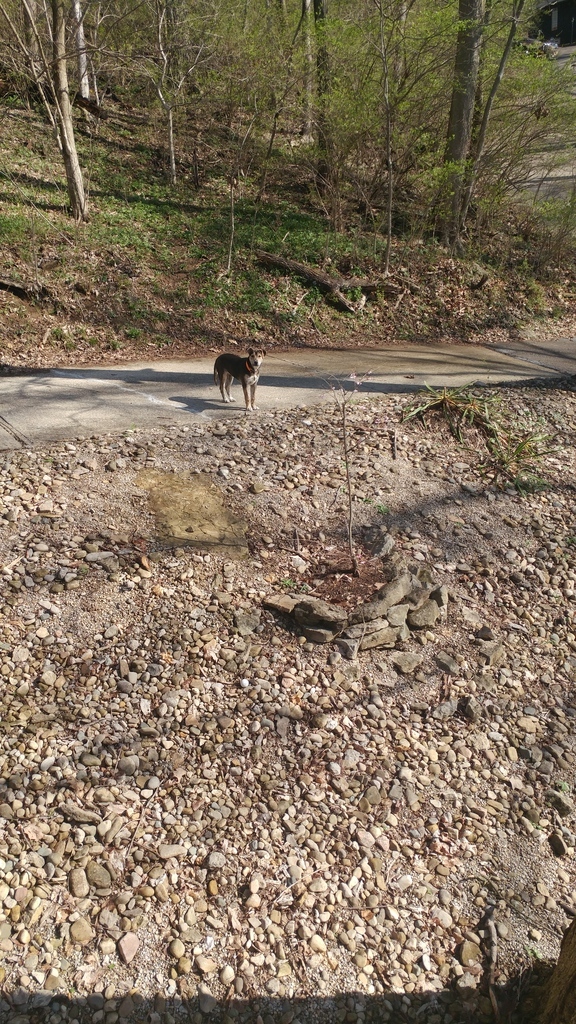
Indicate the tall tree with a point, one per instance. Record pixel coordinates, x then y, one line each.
65 123
517 8
466 65
83 82
324 168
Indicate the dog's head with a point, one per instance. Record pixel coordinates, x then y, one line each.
255 357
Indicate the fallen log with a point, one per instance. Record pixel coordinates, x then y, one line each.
332 287
31 291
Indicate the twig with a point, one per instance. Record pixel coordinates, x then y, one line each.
394 444
9 565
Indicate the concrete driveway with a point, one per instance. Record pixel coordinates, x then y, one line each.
70 403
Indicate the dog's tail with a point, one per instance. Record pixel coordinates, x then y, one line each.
216 375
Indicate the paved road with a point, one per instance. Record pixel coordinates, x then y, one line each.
72 403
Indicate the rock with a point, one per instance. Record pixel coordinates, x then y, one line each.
559 847
391 594
406 662
441 596
384 547
373 796
128 946
425 616
471 617
560 802
81 931
246 621
166 851
318 636
281 603
317 944
78 883
396 615
177 949
312 611
447 663
205 964
97 875
216 860
445 710
128 765
492 653
206 1000
471 709
469 954
380 638
227 975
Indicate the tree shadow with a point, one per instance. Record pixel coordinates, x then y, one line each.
192 1000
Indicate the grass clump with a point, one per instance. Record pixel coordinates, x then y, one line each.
513 450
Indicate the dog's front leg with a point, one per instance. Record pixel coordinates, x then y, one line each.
247 400
253 396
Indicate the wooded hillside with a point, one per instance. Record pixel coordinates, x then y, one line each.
157 147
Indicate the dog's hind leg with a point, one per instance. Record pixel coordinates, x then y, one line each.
227 379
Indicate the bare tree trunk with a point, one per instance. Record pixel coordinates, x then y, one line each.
560 1005
388 127
64 114
470 17
30 35
308 66
479 149
171 153
83 82
322 89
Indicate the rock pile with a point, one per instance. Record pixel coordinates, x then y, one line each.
411 601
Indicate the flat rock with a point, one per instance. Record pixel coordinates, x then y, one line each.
425 616
396 614
381 638
318 636
168 850
312 611
128 946
406 662
447 663
445 710
78 815
206 1001
280 603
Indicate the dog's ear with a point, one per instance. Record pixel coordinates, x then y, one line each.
251 352
263 351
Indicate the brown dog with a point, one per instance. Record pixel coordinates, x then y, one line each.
246 369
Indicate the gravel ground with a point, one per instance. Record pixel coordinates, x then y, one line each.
204 815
